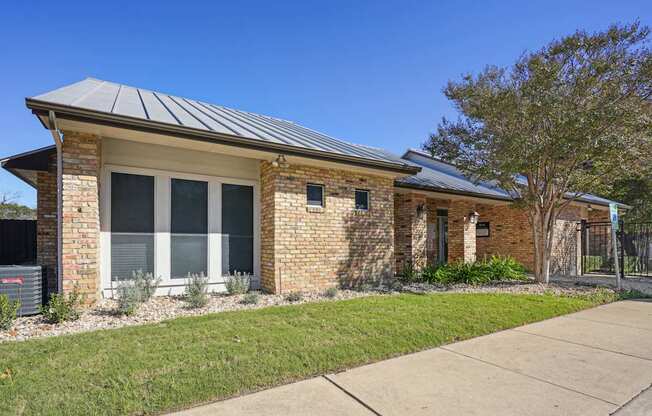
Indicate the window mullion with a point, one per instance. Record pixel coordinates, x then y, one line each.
215 231
162 228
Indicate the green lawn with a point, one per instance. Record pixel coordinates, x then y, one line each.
185 361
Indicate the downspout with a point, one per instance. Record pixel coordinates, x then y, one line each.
58 141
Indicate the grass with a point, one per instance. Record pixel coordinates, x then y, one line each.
177 363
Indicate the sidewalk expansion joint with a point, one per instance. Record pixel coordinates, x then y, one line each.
353 396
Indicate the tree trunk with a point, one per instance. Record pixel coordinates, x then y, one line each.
543 233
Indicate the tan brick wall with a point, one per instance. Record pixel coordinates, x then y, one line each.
510 234
566 243
81 223
311 249
599 215
46 223
461 233
411 219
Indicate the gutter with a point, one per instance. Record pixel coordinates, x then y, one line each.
42 108
58 142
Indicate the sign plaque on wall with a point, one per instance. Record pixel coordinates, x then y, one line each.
482 229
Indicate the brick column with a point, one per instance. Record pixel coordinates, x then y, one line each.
461 233
81 220
46 223
268 272
410 217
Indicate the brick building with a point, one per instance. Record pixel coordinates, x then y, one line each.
174 186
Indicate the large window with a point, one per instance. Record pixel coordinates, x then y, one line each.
173 225
188 228
237 229
132 224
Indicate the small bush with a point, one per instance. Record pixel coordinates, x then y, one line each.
409 274
146 284
62 308
8 311
237 283
294 297
477 273
331 292
196 293
132 293
251 298
129 297
428 273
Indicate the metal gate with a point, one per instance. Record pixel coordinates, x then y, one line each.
633 247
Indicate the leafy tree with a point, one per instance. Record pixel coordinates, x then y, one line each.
10 210
557 123
636 191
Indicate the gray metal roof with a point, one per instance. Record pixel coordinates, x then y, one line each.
439 176
103 97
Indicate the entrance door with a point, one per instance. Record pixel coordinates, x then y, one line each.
442 236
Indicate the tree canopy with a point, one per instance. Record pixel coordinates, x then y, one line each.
570 118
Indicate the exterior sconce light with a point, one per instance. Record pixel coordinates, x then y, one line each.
280 162
589 208
420 209
473 217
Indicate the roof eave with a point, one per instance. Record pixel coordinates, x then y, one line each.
451 191
40 108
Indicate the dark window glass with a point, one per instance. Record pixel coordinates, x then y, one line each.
132 224
188 227
361 199
315 195
237 229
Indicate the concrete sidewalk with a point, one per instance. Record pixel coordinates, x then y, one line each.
594 362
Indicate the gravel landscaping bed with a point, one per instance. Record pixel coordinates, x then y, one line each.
103 315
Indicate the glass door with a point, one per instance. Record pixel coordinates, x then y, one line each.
442 236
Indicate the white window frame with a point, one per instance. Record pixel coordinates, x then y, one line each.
162 219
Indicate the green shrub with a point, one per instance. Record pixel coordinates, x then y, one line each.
331 292
62 308
251 298
132 293
196 293
129 297
505 268
8 310
294 297
428 273
409 274
146 284
477 273
237 283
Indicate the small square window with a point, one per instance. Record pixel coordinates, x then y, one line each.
315 195
362 199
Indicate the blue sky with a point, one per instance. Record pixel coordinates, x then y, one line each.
367 72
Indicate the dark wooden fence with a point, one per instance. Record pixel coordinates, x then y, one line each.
17 241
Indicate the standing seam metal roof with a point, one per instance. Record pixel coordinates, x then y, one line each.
107 97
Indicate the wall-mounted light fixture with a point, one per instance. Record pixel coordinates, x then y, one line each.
473 217
420 208
280 162
589 208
